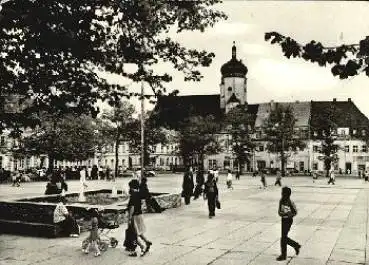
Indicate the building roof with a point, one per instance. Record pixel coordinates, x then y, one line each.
171 110
233 67
301 111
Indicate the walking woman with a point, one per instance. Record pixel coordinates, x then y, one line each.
211 194
135 216
187 186
287 210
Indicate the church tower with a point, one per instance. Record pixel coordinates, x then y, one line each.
233 86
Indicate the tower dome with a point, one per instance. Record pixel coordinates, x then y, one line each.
234 67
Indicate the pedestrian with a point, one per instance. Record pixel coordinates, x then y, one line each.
331 176
278 179
315 175
216 174
187 185
16 178
229 179
199 183
151 204
211 194
263 179
366 175
238 175
287 210
64 219
93 239
135 217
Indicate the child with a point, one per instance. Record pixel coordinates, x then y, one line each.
287 210
278 179
229 180
93 239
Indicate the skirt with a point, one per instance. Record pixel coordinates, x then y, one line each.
139 224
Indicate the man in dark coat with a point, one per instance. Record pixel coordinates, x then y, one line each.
187 186
200 180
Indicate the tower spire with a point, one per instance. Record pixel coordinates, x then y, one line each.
234 50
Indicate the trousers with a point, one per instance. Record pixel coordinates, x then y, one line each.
285 240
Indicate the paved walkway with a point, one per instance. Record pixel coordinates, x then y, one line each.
332 226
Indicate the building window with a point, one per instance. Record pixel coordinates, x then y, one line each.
347 148
212 163
363 132
355 149
315 149
2 141
1 162
364 149
315 166
354 132
261 148
161 161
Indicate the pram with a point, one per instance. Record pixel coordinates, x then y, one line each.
104 229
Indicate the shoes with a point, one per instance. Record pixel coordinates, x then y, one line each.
297 250
280 258
85 251
133 254
73 235
97 254
148 246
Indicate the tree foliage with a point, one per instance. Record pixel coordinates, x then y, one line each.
153 135
197 137
238 123
344 60
68 138
52 51
118 125
324 128
281 133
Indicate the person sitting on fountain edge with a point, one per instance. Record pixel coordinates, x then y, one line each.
65 220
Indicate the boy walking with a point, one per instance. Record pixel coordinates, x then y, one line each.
287 210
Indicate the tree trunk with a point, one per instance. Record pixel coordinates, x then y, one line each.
116 155
283 171
50 166
200 162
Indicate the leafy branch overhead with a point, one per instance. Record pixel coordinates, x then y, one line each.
344 60
53 52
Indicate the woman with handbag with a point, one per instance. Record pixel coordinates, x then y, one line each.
211 194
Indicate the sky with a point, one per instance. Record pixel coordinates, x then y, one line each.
271 76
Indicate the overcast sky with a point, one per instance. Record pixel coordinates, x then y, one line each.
271 76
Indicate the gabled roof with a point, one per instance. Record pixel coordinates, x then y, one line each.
346 114
171 110
301 111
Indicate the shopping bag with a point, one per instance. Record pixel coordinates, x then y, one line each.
130 241
217 204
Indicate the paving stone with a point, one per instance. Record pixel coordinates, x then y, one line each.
348 255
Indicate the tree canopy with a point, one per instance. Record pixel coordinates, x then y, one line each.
61 138
345 60
197 138
281 134
238 123
52 51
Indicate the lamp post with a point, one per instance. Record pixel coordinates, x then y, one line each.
142 125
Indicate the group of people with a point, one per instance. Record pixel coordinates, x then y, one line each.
138 191
208 188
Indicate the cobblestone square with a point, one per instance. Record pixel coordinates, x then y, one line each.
331 225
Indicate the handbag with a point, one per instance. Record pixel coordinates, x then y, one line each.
217 204
130 241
